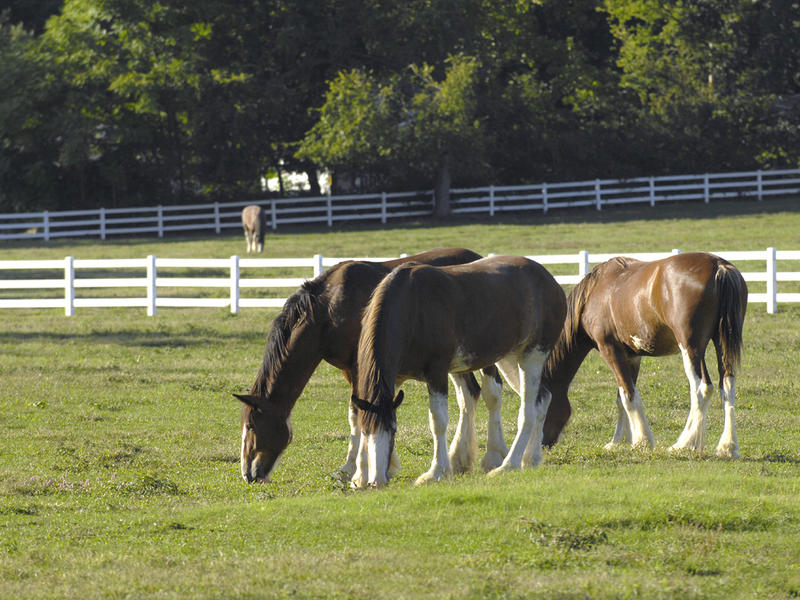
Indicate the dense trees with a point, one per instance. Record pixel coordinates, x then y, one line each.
138 101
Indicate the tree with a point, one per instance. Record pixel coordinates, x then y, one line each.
408 124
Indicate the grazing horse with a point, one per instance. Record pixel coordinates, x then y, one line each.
628 309
424 322
322 321
254 226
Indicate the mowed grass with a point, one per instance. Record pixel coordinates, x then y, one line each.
120 438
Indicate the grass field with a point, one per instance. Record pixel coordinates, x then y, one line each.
119 451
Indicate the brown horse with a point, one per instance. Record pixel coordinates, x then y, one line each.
322 321
628 309
424 322
254 225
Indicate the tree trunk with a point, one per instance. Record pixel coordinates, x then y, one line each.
441 193
313 181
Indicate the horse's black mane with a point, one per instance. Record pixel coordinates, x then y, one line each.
300 306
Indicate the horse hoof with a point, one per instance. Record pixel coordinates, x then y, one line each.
727 452
504 468
429 477
491 461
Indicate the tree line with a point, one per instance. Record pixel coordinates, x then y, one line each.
124 102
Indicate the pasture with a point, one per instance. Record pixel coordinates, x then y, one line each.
119 473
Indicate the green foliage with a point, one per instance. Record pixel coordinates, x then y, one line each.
116 102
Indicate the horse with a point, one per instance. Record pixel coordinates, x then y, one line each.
628 309
253 221
322 321
424 322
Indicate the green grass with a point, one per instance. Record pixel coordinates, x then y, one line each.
119 452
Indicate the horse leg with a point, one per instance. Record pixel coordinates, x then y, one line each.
464 447
700 392
622 432
359 479
728 446
492 394
438 418
625 369
348 469
532 409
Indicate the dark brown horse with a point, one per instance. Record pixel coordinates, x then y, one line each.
322 321
424 322
628 309
254 224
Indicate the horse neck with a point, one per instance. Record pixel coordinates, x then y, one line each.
566 359
285 372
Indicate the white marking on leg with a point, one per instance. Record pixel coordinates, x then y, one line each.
529 421
437 418
349 467
359 479
464 447
728 446
693 434
622 433
379 449
496 448
533 451
641 435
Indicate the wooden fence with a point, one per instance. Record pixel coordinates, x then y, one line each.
62 279
491 200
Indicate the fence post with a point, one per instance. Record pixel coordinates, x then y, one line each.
652 191
160 221
491 200
583 263
760 186
46 226
329 206
318 268
544 198
152 294
383 207
772 281
217 224
235 285
69 286
597 193
274 215
706 191
102 223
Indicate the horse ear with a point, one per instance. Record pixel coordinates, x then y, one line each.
398 400
251 401
361 404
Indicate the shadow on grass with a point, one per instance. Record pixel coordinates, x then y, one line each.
561 216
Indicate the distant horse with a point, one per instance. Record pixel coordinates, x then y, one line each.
424 322
322 321
628 309
254 226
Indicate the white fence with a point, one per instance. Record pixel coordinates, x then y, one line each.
61 278
490 200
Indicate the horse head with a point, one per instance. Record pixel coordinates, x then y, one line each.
266 432
558 413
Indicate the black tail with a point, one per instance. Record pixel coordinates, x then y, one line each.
732 294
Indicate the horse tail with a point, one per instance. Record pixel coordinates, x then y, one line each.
732 294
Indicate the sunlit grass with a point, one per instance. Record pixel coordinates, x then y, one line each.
119 474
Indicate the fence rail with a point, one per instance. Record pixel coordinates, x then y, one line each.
598 193
148 276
